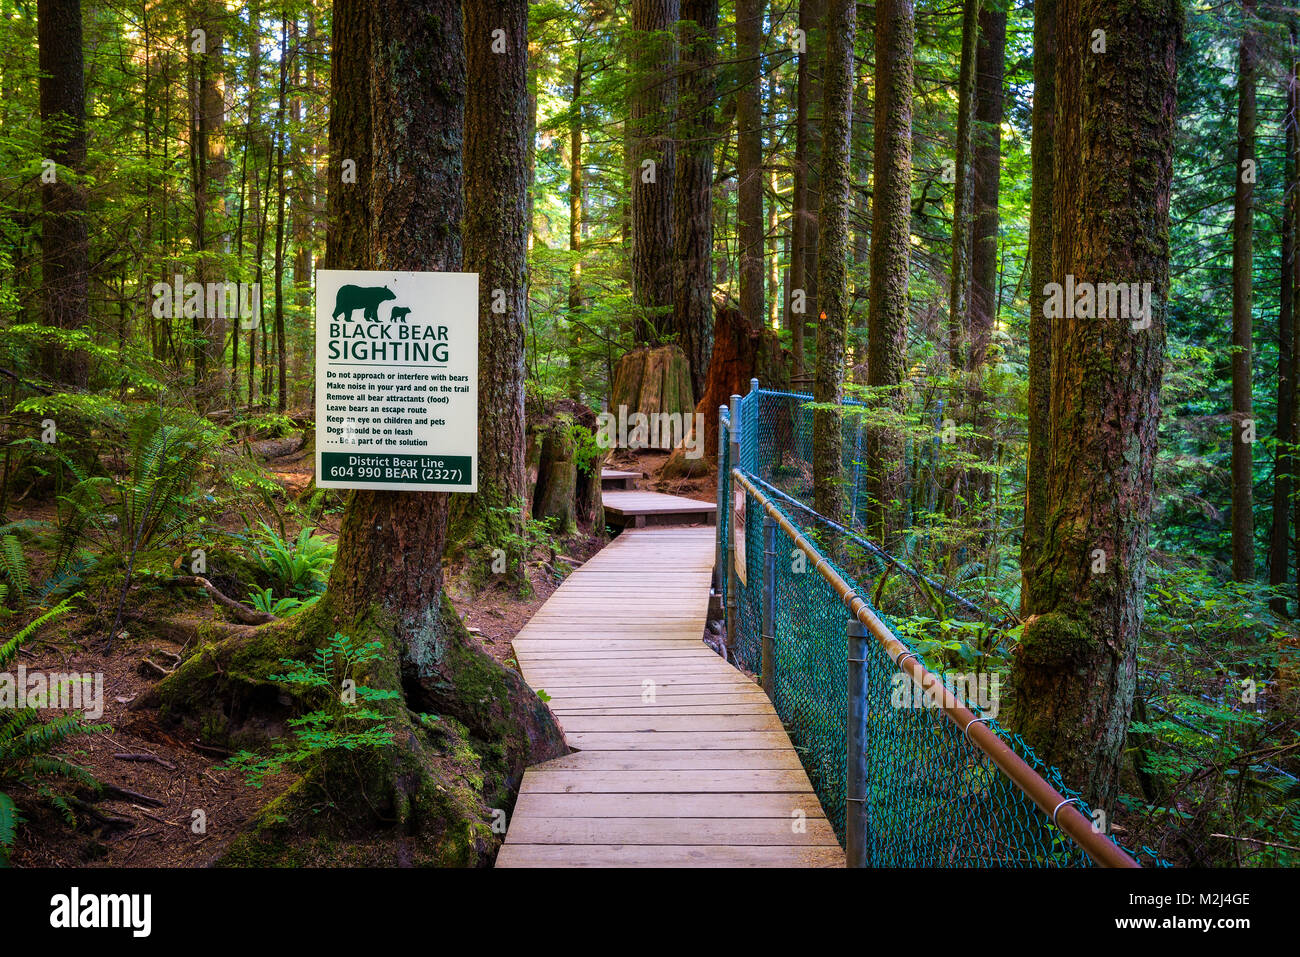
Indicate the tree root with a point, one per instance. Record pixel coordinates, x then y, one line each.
240 612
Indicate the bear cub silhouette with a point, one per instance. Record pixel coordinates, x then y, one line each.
399 313
365 298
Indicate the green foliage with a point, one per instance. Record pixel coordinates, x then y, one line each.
343 718
28 764
154 503
300 567
264 600
1216 735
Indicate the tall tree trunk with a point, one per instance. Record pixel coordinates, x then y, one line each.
282 398
210 171
65 249
693 190
497 123
575 229
1243 265
986 170
1284 469
1073 674
891 239
749 158
347 196
653 164
1042 150
963 199
803 279
833 256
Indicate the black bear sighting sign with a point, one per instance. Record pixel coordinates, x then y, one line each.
397 380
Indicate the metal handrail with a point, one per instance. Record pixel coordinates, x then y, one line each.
1051 802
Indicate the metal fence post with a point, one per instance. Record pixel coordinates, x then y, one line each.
724 481
733 584
855 809
753 385
769 604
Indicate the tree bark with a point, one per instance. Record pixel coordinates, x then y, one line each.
653 164
1042 161
1243 264
986 175
496 247
803 280
963 198
1073 673
65 248
833 256
1284 469
347 228
575 230
891 235
693 190
749 158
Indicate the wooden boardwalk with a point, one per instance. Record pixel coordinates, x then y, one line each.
680 759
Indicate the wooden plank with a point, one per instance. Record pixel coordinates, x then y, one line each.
692 740
623 782
735 707
640 855
673 722
722 804
683 831
786 759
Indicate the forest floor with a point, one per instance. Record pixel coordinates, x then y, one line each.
165 780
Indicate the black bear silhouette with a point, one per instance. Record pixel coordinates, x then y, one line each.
399 313
365 298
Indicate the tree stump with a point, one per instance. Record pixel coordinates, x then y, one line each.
563 472
653 380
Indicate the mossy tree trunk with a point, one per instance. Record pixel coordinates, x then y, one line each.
652 159
891 234
1243 267
1040 264
1073 674
497 128
65 245
963 200
832 257
693 190
749 159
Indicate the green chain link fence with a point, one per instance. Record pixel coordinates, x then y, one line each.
933 798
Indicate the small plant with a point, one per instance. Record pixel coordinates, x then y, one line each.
298 567
265 601
343 717
27 763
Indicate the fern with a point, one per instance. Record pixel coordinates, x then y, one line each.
27 761
13 568
9 821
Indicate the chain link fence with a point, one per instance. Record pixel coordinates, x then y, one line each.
943 784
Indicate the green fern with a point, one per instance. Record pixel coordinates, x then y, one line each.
27 743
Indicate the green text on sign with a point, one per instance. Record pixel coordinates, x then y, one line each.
397 469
